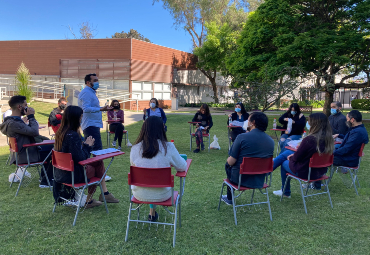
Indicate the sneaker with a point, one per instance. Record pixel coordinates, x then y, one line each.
344 170
119 148
44 184
107 178
109 198
196 151
94 203
226 200
202 146
114 143
311 186
153 218
279 193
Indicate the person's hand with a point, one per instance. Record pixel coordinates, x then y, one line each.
144 110
90 141
288 158
286 132
335 136
106 108
30 111
25 119
197 125
230 115
286 119
293 121
206 127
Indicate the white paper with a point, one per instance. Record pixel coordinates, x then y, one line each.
105 151
245 125
236 123
295 143
289 128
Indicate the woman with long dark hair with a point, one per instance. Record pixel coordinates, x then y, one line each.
298 123
319 140
68 140
152 150
117 127
204 117
240 115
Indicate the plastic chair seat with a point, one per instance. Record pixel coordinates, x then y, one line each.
78 185
111 132
168 202
324 177
204 135
235 186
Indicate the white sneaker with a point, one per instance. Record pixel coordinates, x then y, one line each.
114 143
107 178
279 193
119 148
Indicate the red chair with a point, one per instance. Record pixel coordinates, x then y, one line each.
316 161
353 170
192 134
109 133
13 147
250 166
153 178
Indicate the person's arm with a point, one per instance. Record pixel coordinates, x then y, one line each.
282 117
54 121
234 151
195 118
110 115
210 122
163 116
85 104
121 116
351 144
19 127
307 144
147 113
300 124
176 160
74 147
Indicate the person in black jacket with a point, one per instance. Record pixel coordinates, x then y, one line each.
204 117
68 140
298 124
337 119
55 117
240 115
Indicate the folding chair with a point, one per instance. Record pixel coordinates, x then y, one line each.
316 161
109 133
63 161
353 170
49 126
154 178
10 152
192 134
250 166
13 147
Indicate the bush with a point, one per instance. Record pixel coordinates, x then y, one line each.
313 103
224 105
361 104
23 78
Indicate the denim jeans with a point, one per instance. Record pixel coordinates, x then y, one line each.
287 139
279 160
284 170
95 133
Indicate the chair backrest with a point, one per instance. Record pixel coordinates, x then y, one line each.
62 161
323 160
361 152
151 177
49 125
256 165
13 146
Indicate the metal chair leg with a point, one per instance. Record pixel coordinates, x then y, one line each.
304 202
234 209
47 177
222 189
327 189
282 195
128 221
21 181
353 181
55 205
175 225
79 206
268 203
209 143
102 194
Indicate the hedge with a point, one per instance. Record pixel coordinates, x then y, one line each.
361 104
313 103
225 105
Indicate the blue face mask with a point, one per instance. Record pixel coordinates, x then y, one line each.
308 126
293 112
238 109
95 85
333 111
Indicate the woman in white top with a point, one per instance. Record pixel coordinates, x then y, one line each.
152 150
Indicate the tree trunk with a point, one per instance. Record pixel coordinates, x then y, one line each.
328 101
215 90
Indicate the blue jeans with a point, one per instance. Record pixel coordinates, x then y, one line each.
279 160
284 170
284 139
95 133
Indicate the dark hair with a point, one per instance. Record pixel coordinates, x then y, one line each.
260 120
70 121
15 101
297 109
156 102
321 129
88 77
115 101
206 108
152 131
356 115
243 111
62 99
337 103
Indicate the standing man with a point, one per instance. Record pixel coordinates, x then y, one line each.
55 117
92 120
337 120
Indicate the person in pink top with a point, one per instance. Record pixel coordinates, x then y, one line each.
117 127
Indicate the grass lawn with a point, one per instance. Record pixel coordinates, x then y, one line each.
28 226
42 110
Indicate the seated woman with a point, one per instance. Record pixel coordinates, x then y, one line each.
318 140
152 150
204 117
253 144
240 115
299 121
117 127
68 140
154 110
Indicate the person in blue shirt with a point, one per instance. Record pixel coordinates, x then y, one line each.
347 153
240 115
155 110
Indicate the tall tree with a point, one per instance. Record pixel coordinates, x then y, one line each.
86 31
321 37
192 16
131 34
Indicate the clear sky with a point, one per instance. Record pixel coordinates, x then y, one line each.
43 20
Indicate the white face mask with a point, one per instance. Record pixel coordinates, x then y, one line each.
152 105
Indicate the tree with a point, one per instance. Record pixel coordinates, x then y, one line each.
86 30
23 78
131 34
320 37
192 15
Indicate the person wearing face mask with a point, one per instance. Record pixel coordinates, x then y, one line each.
337 119
298 124
254 144
154 110
14 126
117 116
204 117
240 115
347 153
55 116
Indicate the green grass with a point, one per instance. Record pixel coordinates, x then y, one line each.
28 226
42 110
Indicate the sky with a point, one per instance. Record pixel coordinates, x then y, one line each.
48 20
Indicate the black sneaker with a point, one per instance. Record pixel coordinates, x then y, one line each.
202 146
226 200
196 151
153 219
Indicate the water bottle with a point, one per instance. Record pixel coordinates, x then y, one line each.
107 102
173 142
304 135
115 115
230 120
274 125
